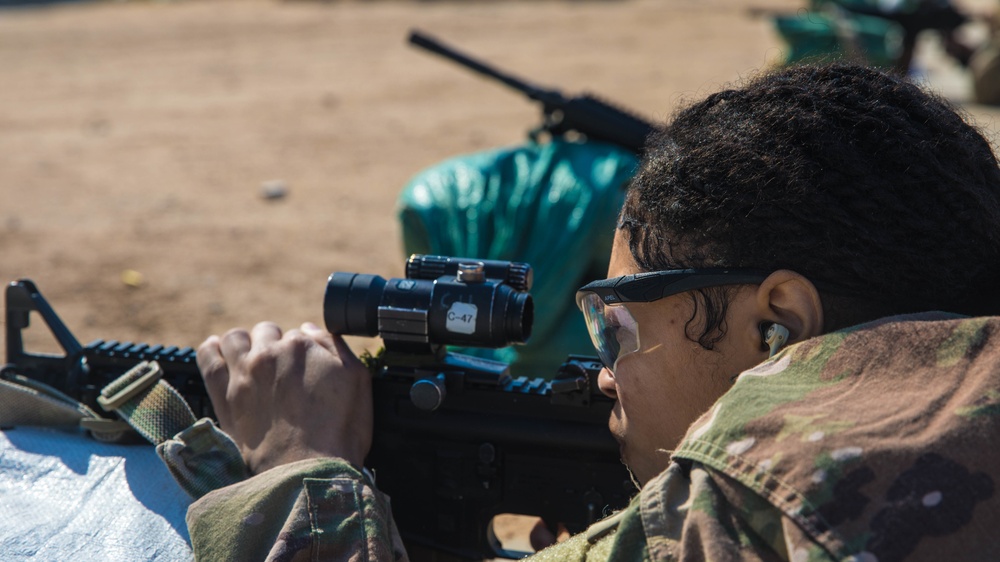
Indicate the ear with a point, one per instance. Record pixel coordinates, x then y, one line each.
791 300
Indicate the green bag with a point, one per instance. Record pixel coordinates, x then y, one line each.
827 33
552 205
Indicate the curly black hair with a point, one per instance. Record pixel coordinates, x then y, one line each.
875 190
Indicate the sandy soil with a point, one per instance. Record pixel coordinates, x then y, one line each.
138 136
135 138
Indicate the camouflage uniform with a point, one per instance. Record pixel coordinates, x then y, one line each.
875 443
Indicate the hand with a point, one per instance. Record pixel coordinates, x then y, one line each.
288 397
542 537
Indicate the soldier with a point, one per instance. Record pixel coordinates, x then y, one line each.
796 328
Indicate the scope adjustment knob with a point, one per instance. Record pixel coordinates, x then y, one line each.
428 394
520 276
474 272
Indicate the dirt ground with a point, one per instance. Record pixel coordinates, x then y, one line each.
136 137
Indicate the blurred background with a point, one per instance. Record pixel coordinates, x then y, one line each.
172 169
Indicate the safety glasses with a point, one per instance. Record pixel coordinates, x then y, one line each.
612 327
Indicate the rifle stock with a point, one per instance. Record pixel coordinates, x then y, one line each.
494 444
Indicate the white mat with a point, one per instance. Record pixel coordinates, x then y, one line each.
64 496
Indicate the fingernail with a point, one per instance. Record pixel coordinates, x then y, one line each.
310 326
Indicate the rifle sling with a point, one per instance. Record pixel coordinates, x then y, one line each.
151 406
148 405
24 401
27 402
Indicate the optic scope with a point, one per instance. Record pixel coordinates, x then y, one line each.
442 301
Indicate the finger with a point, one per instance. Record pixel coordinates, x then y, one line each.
540 536
332 342
562 533
210 362
346 354
264 334
235 345
318 334
215 373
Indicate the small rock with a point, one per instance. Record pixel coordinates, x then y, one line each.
273 189
132 278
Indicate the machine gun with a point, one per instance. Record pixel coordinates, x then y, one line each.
457 440
584 114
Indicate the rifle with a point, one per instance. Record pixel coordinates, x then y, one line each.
584 114
457 440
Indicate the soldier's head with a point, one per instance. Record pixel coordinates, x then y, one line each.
851 194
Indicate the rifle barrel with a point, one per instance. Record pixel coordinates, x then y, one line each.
435 46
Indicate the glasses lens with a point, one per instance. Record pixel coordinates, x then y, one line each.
612 328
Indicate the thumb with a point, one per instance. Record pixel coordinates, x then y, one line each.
321 336
335 344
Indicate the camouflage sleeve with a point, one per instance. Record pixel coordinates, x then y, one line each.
618 537
691 513
315 509
870 443
694 511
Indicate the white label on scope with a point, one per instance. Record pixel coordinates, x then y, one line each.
462 318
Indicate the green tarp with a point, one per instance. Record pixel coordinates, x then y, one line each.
828 30
552 205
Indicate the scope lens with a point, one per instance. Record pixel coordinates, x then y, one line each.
519 318
350 305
